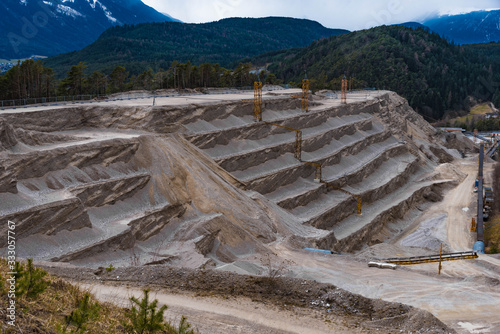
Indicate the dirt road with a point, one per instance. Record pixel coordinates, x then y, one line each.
217 315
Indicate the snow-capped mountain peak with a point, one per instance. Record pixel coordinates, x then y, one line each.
472 27
50 27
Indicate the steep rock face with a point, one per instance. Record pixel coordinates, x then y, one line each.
38 163
141 228
7 135
109 192
67 118
36 138
401 119
48 219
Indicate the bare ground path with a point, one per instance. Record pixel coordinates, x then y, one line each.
217 315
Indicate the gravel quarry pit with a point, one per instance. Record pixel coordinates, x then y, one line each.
194 182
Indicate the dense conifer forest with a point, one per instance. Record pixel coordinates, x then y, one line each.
435 75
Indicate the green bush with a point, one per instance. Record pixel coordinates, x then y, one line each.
30 280
84 312
144 316
184 327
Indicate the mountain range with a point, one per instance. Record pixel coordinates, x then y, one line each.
225 42
471 28
51 27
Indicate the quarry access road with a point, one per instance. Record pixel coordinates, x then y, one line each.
231 315
170 100
213 315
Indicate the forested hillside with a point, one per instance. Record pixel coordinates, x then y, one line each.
226 42
489 51
433 74
30 79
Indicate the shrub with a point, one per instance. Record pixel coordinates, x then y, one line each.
30 281
144 316
84 312
184 327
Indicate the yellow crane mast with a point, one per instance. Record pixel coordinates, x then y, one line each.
257 101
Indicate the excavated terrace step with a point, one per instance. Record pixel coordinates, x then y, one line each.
284 161
206 135
231 122
385 174
271 114
335 146
226 116
349 165
303 191
323 214
270 167
274 173
38 163
322 206
138 229
300 192
202 127
355 223
242 147
248 153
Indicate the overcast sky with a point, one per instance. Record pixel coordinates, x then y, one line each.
348 14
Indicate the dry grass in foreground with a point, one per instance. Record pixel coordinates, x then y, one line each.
60 307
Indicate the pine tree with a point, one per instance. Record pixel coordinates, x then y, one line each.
19 274
85 311
184 327
30 281
144 316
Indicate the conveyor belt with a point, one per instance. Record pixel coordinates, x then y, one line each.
479 220
433 258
